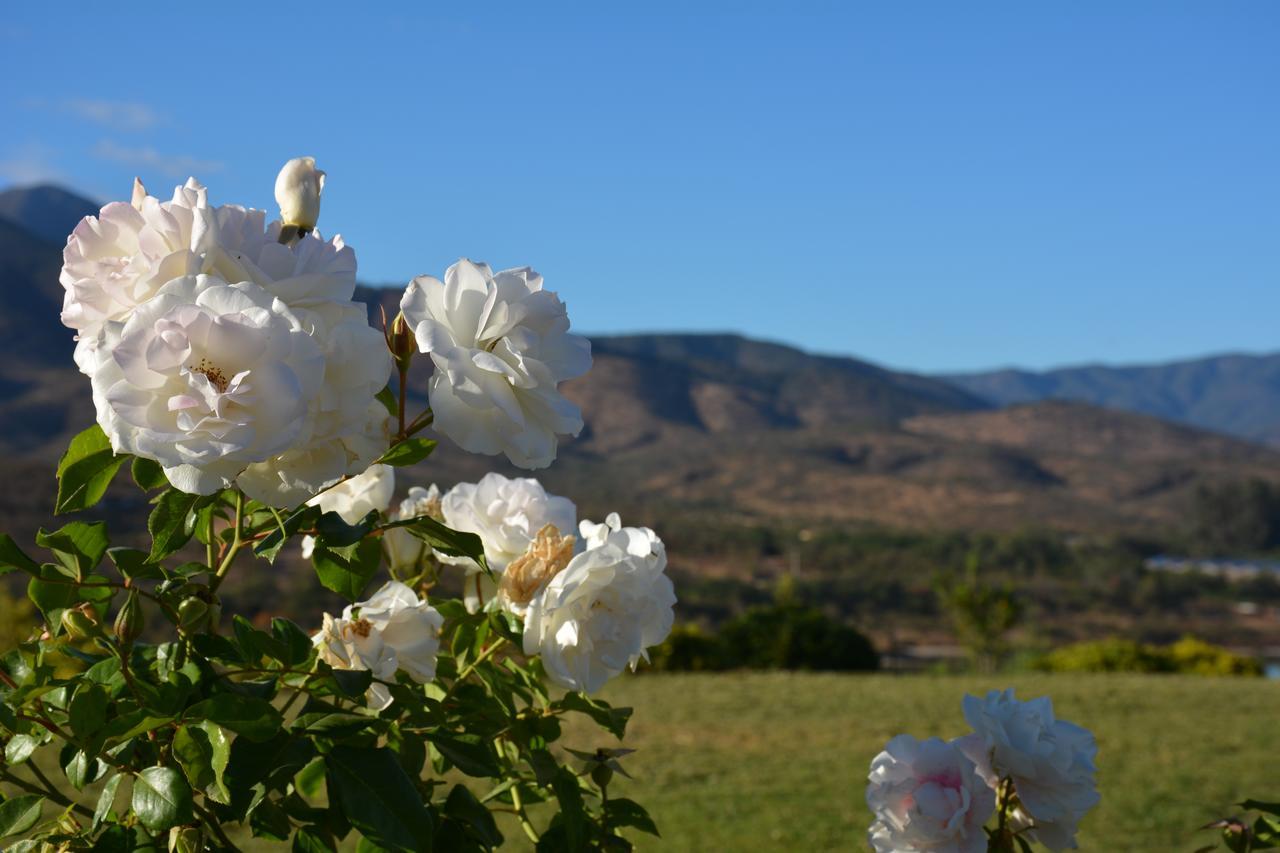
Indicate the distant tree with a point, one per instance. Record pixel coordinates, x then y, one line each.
982 613
1236 518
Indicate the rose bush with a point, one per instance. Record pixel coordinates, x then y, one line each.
232 372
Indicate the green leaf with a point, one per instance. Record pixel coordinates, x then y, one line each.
472 754
463 807
254 718
378 798
311 840
78 546
161 798
295 642
269 547
12 557
18 814
455 543
52 598
612 720
148 474
572 811
268 820
1261 806
388 400
332 724
86 469
411 451
106 800
87 711
202 750
624 812
347 570
133 564
19 748
170 523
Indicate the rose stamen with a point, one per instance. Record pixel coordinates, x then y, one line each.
216 377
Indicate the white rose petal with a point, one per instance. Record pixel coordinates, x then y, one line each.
927 798
404 550
393 630
206 378
598 616
355 498
1050 761
501 346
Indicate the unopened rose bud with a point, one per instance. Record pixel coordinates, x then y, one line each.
192 614
130 620
401 342
81 624
601 775
139 194
298 188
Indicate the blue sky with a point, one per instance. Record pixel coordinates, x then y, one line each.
935 186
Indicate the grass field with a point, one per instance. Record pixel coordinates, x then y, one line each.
778 761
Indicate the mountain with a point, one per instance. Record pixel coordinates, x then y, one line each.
47 211
1234 394
712 426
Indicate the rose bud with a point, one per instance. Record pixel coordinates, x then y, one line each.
298 188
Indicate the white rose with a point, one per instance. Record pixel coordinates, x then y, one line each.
1050 761
349 428
115 261
506 514
500 345
298 188
927 798
206 378
392 630
355 498
598 616
404 550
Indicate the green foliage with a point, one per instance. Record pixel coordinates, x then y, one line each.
983 613
1189 655
221 725
779 636
1236 518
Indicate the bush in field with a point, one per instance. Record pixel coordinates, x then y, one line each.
1189 655
779 636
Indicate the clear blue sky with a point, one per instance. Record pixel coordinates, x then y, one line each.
936 186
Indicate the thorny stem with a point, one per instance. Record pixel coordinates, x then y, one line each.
403 399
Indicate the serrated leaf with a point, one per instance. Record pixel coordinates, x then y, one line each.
78 546
85 471
293 640
18 814
347 570
203 749
133 564
624 812
148 474
14 558
411 451
269 547
161 798
169 523
332 724
87 711
454 543
472 754
388 400
378 798
255 719
612 720
106 800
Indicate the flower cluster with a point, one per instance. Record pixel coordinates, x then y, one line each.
1020 761
591 606
221 352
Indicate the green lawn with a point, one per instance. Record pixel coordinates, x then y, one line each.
778 761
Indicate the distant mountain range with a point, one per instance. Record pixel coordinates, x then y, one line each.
1234 394
724 426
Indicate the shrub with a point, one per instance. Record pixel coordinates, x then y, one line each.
1189 655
